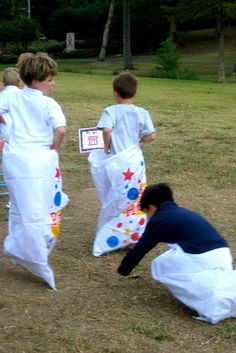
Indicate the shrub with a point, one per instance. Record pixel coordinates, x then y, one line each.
8 59
169 58
79 53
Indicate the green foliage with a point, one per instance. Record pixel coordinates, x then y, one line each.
7 33
77 19
169 58
12 8
26 30
20 30
79 53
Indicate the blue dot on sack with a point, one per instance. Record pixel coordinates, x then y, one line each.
57 199
132 193
112 241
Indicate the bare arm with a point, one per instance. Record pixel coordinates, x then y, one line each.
106 139
59 134
148 138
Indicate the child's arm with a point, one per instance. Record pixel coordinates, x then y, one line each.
148 138
59 134
106 139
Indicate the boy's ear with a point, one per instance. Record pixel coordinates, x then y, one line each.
150 210
34 83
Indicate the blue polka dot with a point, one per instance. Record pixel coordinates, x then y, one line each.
112 241
132 193
142 162
57 199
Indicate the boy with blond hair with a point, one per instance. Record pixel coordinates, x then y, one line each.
31 166
12 83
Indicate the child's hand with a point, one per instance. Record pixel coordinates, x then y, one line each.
107 150
2 121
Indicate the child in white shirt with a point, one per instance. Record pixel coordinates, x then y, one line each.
12 83
31 166
119 171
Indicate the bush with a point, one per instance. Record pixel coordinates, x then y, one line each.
8 59
56 49
79 53
169 58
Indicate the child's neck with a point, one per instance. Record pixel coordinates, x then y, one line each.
124 100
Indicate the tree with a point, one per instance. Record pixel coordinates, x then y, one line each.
26 31
127 57
170 8
218 10
9 9
85 20
169 57
102 53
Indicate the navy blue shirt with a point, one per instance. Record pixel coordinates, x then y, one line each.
174 225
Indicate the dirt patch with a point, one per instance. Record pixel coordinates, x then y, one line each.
96 310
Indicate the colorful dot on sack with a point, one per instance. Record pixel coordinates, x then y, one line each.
112 241
57 199
135 236
142 221
132 193
119 225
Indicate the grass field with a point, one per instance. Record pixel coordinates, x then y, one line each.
95 310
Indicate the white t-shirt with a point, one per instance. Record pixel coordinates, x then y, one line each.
34 117
128 124
5 128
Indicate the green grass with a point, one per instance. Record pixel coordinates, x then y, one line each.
195 123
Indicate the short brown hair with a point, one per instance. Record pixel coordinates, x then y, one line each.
11 77
36 67
125 84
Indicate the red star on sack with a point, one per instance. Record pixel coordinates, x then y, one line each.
128 174
58 173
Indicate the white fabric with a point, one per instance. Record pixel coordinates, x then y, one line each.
32 175
128 123
5 128
205 282
34 116
120 181
36 201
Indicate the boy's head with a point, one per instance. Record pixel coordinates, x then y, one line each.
11 77
36 67
125 84
154 195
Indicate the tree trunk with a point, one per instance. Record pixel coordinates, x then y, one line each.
102 53
220 26
127 57
173 28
